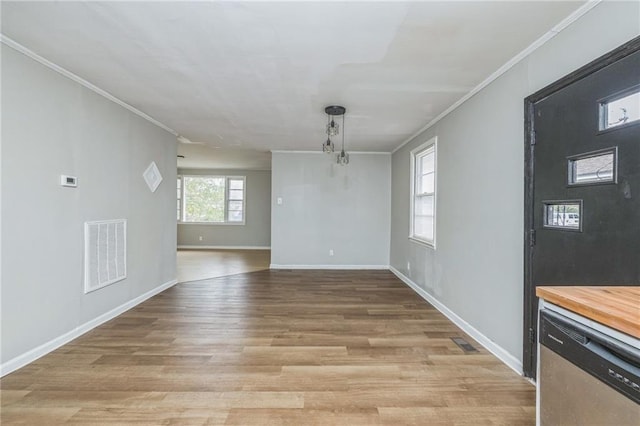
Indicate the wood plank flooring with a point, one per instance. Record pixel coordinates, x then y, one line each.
271 348
195 265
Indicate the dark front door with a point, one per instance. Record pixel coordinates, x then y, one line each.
583 183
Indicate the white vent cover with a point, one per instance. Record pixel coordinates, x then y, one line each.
105 253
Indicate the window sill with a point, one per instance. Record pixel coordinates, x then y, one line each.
431 245
212 223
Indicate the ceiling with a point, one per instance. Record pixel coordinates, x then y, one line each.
245 78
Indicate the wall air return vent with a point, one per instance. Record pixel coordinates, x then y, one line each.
105 253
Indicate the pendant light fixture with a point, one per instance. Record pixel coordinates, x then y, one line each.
328 146
333 130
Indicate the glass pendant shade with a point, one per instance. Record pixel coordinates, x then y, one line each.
328 146
343 158
333 129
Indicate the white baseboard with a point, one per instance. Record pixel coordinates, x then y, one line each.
32 355
504 356
336 267
189 247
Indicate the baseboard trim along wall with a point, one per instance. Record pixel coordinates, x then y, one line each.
504 356
188 247
335 267
32 355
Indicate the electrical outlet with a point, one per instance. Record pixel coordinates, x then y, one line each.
200 238
408 266
331 252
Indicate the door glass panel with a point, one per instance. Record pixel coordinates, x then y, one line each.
593 168
563 215
617 112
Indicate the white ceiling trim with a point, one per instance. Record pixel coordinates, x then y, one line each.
31 54
506 67
284 151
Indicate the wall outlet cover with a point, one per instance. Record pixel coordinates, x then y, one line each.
70 181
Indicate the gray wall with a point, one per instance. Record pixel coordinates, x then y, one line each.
326 206
477 269
51 125
256 232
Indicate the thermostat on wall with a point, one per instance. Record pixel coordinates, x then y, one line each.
68 181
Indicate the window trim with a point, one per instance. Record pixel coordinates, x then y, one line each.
226 222
180 194
432 142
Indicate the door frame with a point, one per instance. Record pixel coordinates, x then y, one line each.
530 311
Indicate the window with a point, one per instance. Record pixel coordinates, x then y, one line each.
594 167
423 193
620 110
563 214
179 197
211 199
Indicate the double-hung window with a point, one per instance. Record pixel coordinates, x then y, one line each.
211 199
423 193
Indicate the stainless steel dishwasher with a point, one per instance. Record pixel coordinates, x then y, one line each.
586 377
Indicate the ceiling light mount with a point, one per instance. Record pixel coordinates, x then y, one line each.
334 110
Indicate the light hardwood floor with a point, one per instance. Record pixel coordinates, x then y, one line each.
272 347
195 265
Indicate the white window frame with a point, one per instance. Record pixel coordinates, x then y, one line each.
226 200
415 154
180 194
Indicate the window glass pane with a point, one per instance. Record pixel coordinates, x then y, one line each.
424 205
237 194
236 216
427 183
562 215
592 169
236 184
428 162
235 205
621 111
204 199
423 227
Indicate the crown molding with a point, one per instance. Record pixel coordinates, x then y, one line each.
590 4
57 68
282 151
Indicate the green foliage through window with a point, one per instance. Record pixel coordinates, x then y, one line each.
206 199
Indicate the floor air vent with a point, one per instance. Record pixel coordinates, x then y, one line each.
105 253
464 345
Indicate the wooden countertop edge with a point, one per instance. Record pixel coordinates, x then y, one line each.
600 313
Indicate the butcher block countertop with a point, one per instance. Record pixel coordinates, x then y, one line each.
615 307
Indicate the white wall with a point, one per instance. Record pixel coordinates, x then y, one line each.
477 269
256 231
51 125
326 206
